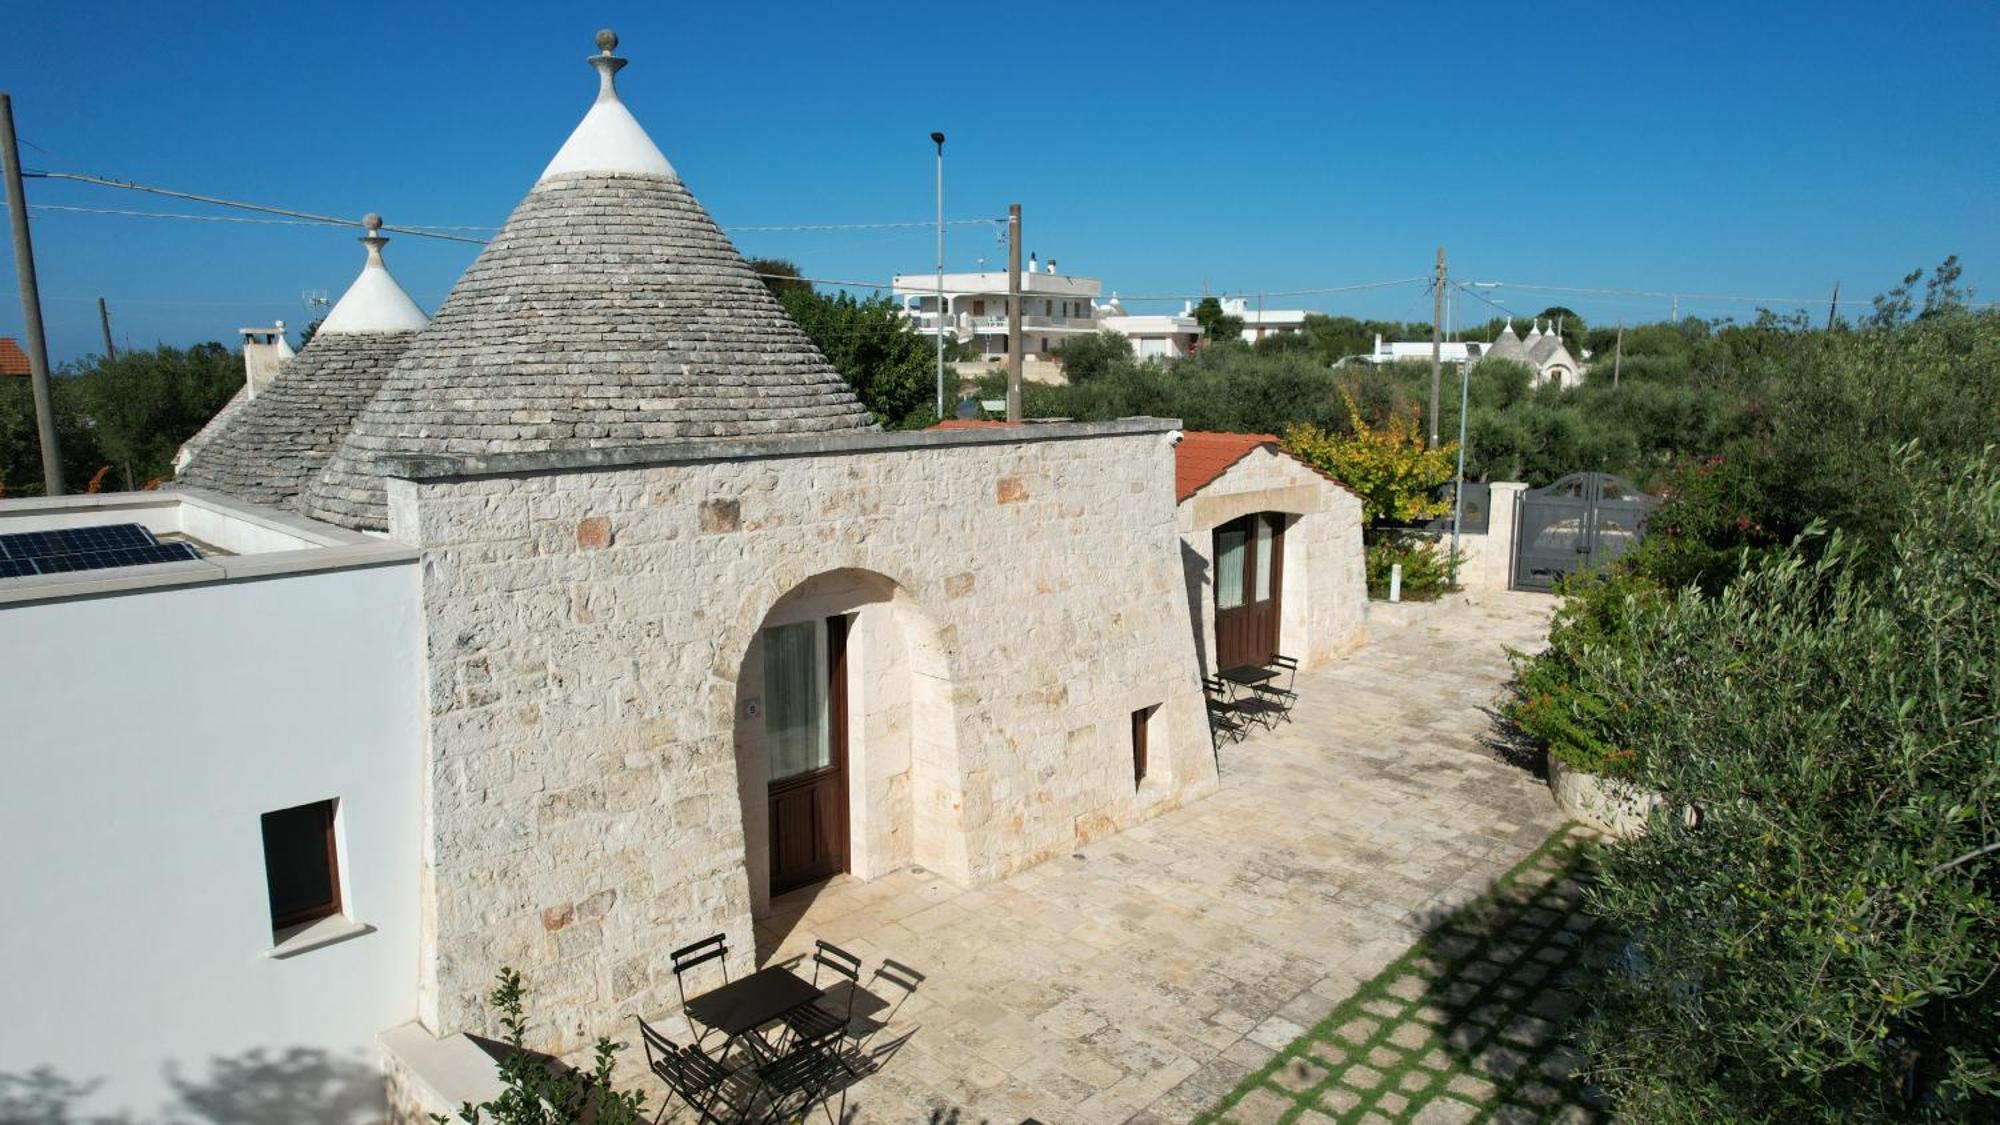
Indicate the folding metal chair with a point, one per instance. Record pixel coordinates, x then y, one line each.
799 1077
714 1094
816 1024
1226 716
1285 697
688 958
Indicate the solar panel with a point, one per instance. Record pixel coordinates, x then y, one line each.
75 540
86 548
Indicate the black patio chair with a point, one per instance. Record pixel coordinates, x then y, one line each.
688 958
1287 696
716 1095
1234 713
805 1074
819 1023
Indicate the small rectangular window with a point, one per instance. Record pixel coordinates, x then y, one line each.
1139 724
301 867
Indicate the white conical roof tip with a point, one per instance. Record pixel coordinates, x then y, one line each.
374 303
609 138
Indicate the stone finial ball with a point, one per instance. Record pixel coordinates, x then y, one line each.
607 40
372 221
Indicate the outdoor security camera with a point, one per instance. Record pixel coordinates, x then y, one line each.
1175 437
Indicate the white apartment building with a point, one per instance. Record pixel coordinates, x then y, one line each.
1055 307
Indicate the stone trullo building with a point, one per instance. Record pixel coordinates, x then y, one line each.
1541 352
604 612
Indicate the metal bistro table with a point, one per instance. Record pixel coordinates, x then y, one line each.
764 997
1247 675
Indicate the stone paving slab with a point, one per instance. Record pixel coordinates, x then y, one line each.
1144 977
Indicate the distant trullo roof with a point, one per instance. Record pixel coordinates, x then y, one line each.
273 445
609 310
1508 346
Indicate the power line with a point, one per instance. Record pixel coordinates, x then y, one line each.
329 220
173 215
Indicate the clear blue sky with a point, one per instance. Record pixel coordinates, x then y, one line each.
1755 149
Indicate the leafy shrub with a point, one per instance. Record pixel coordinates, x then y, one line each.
1557 702
1820 940
542 1091
1427 566
1710 519
1396 477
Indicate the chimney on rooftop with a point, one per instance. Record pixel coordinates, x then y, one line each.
264 351
1052 265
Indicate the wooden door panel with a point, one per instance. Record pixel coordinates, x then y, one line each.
1247 634
808 813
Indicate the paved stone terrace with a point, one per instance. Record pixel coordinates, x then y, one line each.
1145 977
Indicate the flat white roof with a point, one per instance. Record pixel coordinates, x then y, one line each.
994 283
239 541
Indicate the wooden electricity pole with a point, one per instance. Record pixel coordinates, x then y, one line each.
1618 355
1833 306
1437 343
104 322
1013 312
31 300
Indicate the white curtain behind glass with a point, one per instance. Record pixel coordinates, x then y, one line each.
1228 569
1263 558
794 700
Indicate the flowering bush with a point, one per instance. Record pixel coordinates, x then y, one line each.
1710 522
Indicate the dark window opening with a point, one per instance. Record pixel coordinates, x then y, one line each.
301 868
1139 726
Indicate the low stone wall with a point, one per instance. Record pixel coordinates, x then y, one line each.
1606 804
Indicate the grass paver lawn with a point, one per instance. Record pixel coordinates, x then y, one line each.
1468 1025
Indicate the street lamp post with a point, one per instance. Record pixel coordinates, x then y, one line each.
1458 488
938 140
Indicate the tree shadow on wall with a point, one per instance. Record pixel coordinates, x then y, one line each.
299 1084
257 1087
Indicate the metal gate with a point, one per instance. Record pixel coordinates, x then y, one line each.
1574 524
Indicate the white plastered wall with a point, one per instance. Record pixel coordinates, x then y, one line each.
144 735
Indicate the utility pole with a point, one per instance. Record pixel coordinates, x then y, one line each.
1618 354
104 321
1013 312
1675 315
31 300
1437 343
1833 306
938 140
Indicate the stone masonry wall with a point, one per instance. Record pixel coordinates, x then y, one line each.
1324 595
586 628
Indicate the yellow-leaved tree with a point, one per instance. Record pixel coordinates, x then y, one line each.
1387 465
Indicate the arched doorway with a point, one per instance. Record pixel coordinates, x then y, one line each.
845 739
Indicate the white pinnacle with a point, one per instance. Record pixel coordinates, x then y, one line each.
609 138
374 303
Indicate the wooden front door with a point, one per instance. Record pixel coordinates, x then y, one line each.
805 738
1249 585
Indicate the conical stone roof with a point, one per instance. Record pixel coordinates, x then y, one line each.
272 447
610 310
1508 346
